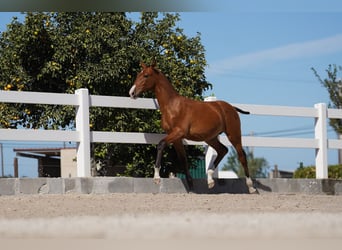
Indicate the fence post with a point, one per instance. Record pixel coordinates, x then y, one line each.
82 126
321 136
210 153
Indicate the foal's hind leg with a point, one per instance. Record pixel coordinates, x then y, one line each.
221 151
236 142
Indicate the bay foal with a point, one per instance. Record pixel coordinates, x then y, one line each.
184 118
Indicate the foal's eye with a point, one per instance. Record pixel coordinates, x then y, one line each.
146 76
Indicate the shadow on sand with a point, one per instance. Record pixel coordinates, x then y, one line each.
230 186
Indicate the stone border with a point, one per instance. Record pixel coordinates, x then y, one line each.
106 185
93 185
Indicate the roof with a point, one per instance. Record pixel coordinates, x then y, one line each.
40 152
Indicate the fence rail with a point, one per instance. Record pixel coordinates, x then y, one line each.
83 136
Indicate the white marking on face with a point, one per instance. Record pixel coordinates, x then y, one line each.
131 92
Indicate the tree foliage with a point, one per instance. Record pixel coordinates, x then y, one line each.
333 84
258 167
62 52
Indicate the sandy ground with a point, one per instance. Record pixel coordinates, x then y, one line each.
168 221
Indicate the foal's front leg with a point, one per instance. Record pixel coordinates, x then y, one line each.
175 135
160 148
181 154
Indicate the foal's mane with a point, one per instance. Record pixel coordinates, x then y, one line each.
164 80
155 70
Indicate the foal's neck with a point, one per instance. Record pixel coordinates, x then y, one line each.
165 92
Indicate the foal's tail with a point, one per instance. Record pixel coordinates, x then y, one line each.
242 111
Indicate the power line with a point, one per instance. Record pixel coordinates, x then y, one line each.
288 132
302 128
270 78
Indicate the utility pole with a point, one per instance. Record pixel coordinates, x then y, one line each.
339 136
2 161
339 150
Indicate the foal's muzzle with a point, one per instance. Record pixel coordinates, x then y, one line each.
132 92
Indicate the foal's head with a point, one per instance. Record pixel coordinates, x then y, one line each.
145 80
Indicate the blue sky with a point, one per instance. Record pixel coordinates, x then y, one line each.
263 55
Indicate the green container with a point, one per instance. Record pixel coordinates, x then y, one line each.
197 171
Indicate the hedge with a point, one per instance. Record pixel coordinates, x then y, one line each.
334 172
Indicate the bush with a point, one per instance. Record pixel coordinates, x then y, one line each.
305 172
334 172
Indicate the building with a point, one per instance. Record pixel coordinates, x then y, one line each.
276 173
52 162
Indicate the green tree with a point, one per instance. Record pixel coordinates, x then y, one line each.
62 52
309 172
258 167
333 84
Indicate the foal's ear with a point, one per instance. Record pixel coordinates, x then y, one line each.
153 64
143 65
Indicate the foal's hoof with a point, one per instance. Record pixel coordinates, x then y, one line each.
156 181
252 190
211 184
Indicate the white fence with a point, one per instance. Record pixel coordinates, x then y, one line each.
83 136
